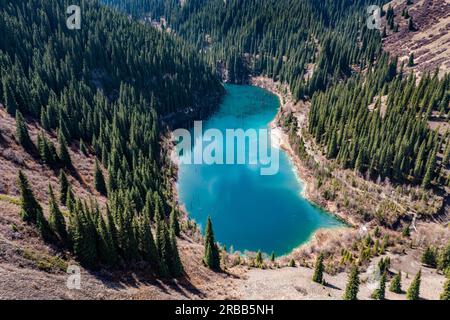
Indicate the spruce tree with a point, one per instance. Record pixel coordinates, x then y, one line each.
429 257
211 256
107 250
63 187
259 259
396 283
379 293
147 245
445 295
318 271
163 246
176 268
56 218
444 258
411 60
174 224
99 180
272 257
64 155
30 207
413 291
44 228
23 137
352 288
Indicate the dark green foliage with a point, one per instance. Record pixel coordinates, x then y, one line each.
99 180
22 134
272 257
64 155
396 283
176 268
291 263
84 235
444 257
352 288
384 264
30 208
445 295
63 187
106 247
56 219
174 224
47 150
413 291
406 231
44 228
274 38
396 143
147 247
259 259
411 60
429 257
318 270
379 293
164 247
211 256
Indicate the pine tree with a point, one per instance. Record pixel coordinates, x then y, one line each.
396 283
445 295
163 246
379 293
43 227
176 268
99 180
147 245
107 250
174 224
411 25
30 208
272 257
211 257
352 288
318 271
444 258
22 134
413 291
411 60
64 155
291 263
63 187
259 259
429 257
56 218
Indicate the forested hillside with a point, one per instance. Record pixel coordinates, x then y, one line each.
100 89
307 43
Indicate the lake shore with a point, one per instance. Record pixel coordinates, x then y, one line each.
280 139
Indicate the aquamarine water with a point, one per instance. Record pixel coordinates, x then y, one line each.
249 211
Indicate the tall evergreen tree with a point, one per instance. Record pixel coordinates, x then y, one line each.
30 207
352 288
147 245
56 218
318 271
106 249
413 291
63 187
396 283
379 293
211 256
64 155
22 134
174 224
99 180
176 268
445 295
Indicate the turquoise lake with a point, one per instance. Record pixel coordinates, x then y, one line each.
249 211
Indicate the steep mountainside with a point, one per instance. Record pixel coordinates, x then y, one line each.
430 40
